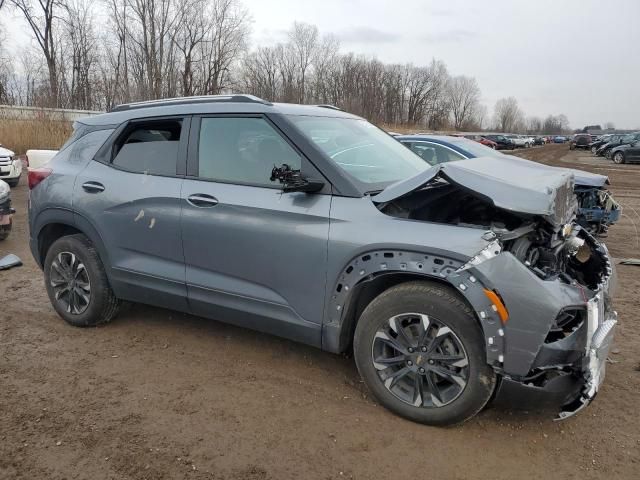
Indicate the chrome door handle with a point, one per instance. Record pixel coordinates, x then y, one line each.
93 187
202 200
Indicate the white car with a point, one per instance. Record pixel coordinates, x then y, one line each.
38 158
10 167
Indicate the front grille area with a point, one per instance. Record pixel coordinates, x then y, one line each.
5 161
565 203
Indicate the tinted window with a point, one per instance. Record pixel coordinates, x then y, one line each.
150 147
242 150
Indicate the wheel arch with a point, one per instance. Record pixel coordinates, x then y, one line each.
52 224
370 274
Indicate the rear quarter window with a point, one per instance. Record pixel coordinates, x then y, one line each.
82 150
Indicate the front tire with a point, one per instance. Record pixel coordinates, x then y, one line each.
77 283
618 158
594 150
420 350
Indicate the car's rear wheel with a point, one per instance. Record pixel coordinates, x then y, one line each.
618 158
421 352
77 283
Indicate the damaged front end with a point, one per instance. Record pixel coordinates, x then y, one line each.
598 208
549 274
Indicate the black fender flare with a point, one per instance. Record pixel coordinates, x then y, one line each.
441 266
63 216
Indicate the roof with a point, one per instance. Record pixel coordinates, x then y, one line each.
240 104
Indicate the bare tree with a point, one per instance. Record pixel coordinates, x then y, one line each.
42 16
507 114
464 97
226 42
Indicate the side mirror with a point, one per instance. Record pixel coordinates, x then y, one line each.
293 181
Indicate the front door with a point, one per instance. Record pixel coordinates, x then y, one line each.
132 198
255 256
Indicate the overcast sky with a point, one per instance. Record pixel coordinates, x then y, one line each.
577 57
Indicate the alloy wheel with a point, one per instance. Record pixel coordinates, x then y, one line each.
618 158
70 282
420 360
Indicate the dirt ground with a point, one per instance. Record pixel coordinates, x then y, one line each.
157 394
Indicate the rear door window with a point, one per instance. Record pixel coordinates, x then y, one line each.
149 147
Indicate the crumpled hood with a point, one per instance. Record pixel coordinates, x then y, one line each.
5 152
518 186
581 177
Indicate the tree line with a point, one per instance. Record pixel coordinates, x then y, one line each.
151 49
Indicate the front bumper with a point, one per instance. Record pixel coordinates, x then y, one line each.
11 171
601 327
567 391
543 361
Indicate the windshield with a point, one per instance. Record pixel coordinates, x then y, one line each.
362 150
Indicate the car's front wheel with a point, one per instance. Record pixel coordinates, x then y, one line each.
421 352
594 150
618 158
77 283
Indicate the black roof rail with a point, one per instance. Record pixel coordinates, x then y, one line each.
332 107
164 102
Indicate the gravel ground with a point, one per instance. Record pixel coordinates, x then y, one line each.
157 394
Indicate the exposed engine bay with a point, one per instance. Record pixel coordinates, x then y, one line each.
552 247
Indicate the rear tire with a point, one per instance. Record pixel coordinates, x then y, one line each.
427 319
77 283
618 158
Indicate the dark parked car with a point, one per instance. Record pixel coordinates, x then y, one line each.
501 141
601 140
628 152
598 210
580 141
559 139
6 212
451 283
626 139
613 141
539 141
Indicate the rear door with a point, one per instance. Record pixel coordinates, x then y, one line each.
130 194
255 256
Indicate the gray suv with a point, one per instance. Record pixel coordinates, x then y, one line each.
452 284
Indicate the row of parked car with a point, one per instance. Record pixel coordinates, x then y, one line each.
621 148
503 141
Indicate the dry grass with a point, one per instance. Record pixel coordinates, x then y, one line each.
22 135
